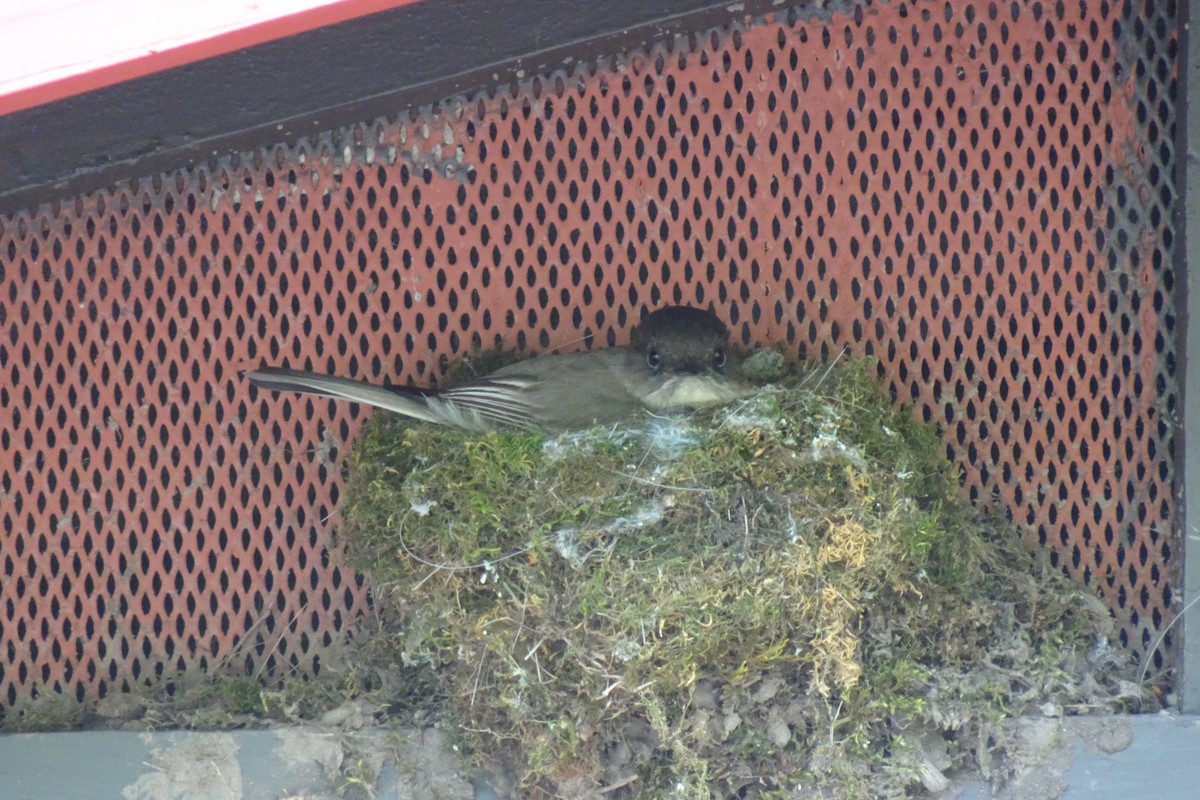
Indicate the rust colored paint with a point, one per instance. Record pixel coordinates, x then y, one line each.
977 194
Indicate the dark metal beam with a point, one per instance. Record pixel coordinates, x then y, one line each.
283 90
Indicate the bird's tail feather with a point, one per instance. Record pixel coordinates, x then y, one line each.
409 404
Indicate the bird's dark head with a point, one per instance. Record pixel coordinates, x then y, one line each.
689 362
682 340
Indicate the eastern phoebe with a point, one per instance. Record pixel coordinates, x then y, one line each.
678 357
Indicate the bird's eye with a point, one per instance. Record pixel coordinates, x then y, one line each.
654 359
718 358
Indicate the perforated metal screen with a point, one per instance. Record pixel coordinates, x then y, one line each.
976 193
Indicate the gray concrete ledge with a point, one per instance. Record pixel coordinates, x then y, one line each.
1077 758
244 765
1098 758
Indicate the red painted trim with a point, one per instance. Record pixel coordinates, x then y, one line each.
189 52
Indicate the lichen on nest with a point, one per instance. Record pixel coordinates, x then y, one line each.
783 593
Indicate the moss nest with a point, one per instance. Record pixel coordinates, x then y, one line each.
778 596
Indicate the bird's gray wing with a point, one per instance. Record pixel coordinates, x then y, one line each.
478 405
496 402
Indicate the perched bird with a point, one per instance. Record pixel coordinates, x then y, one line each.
678 357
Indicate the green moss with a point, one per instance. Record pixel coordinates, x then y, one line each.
770 593
239 695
